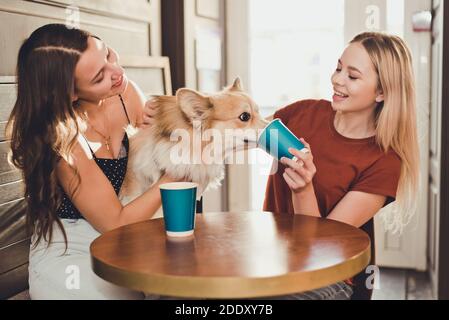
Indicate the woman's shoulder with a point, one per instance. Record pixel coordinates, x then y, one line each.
392 158
134 100
80 157
132 90
385 161
300 107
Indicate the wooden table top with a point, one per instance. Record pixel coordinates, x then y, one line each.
232 255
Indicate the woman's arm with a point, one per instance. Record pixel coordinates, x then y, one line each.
95 197
305 203
299 175
356 208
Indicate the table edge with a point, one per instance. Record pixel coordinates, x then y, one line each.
233 287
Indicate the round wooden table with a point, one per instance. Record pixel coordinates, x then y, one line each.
232 255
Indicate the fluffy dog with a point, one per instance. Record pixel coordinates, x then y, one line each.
190 139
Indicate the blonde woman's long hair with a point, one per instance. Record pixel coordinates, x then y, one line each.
396 123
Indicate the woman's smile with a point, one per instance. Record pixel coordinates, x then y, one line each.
120 82
339 96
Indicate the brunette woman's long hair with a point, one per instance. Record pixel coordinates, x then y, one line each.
43 126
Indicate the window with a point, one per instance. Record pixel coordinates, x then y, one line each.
294 47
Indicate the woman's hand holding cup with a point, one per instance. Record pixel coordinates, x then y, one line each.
300 170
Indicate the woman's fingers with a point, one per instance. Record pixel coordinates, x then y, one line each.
300 171
151 109
151 106
304 142
306 158
294 176
301 174
290 182
149 112
296 165
300 154
148 121
294 180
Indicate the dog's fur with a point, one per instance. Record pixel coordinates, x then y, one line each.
150 148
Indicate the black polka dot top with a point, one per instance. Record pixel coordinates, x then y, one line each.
114 169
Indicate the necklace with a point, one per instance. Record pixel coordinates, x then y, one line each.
107 139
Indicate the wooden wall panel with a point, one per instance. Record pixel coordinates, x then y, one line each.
14 281
12 223
7 99
127 35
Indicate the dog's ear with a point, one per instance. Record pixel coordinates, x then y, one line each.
236 86
193 104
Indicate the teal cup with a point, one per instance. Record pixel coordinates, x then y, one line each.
179 208
276 139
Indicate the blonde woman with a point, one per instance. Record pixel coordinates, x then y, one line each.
364 150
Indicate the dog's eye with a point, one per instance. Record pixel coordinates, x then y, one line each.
245 117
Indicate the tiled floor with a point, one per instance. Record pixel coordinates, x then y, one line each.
400 284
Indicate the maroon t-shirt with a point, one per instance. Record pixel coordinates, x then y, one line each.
343 165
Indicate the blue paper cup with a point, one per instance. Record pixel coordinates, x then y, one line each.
179 208
276 139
